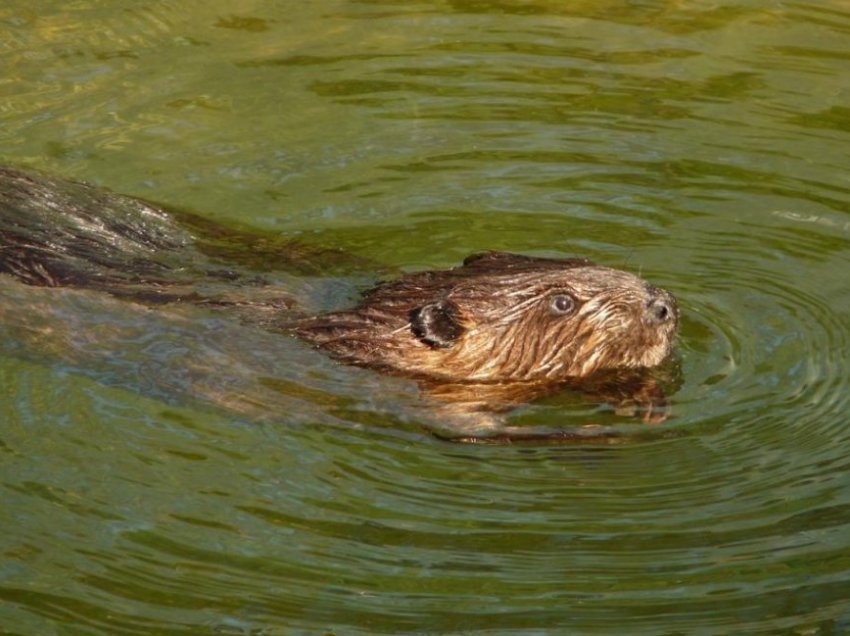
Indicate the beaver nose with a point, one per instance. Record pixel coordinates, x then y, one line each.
661 307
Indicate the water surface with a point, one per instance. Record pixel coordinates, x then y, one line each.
703 145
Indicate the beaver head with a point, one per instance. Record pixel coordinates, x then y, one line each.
504 317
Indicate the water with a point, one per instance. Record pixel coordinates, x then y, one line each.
702 145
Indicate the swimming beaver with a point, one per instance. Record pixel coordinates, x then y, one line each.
506 320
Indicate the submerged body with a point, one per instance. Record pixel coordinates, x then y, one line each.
499 319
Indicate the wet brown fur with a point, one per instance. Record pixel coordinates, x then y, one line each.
494 319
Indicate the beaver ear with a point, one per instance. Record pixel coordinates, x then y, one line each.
436 324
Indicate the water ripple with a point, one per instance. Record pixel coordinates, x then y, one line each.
702 146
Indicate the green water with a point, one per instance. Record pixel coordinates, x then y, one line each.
705 145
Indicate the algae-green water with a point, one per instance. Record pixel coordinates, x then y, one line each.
703 145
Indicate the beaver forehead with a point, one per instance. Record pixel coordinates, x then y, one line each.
583 282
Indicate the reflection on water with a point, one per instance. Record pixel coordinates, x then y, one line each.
702 145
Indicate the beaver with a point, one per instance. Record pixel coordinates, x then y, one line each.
517 324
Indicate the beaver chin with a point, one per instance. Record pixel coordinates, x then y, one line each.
501 318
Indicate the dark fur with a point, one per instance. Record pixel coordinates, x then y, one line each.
55 232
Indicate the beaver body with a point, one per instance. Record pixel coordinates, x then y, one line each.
55 233
60 233
499 318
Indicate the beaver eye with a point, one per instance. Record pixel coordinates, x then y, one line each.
562 304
